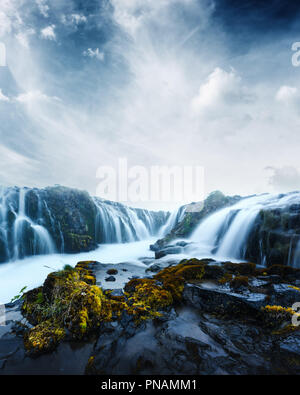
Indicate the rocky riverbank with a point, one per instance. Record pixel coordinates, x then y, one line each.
170 317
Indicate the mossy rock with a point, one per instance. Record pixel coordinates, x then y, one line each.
239 282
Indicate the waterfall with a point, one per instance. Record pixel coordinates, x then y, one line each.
296 258
29 238
116 223
59 219
175 217
226 232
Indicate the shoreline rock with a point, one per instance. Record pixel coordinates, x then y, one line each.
192 317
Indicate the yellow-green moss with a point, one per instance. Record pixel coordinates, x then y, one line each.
295 288
43 337
277 316
174 277
239 281
225 279
145 298
70 300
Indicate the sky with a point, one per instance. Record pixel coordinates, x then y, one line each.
205 83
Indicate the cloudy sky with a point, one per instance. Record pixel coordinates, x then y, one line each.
169 82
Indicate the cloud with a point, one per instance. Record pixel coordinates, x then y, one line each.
175 89
23 37
5 24
132 14
73 19
3 97
43 7
94 53
48 33
35 96
284 179
288 95
221 89
10 19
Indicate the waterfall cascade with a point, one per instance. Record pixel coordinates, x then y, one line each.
175 217
116 223
58 219
225 233
25 236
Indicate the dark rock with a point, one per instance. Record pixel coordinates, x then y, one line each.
2 363
214 272
223 301
110 279
182 243
167 251
112 271
117 292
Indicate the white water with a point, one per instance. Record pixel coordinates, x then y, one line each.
32 271
27 224
121 224
225 233
23 225
296 258
175 217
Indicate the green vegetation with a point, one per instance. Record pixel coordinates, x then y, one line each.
19 296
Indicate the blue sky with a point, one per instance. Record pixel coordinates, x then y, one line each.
168 82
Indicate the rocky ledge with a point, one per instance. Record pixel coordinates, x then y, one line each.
191 317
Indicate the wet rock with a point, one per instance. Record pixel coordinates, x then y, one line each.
167 251
223 301
117 292
214 272
154 268
2 363
112 272
110 279
182 243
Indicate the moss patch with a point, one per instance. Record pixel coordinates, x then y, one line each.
69 301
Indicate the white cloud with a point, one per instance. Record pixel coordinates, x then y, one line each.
73 19
48 33
35 96
283 179
287 95
43 7
23 37
131 14
96 53
3 97
221 89
10 18
5 24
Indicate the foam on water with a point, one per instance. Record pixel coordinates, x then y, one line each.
32 271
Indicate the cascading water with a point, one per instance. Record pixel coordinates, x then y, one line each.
29 238
175 217
118 224
43 221
296 258
226 232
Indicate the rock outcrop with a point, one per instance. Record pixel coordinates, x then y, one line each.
275 236
195 317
